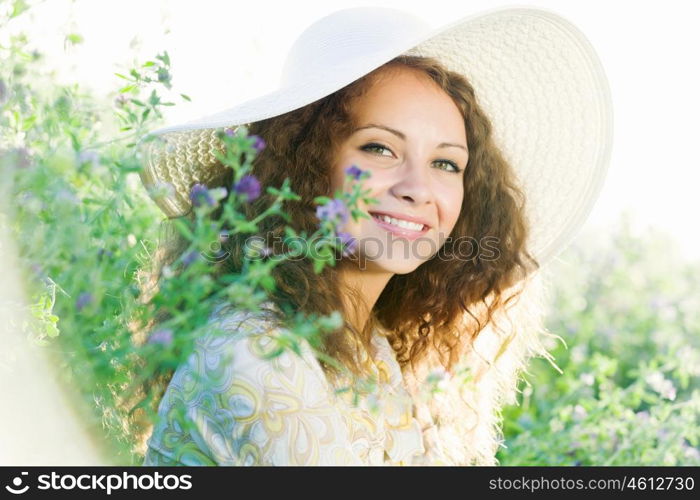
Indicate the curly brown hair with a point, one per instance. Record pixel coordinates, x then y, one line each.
422 311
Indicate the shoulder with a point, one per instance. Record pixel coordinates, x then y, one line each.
239 399
246 351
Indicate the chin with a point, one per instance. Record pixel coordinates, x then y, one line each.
393 266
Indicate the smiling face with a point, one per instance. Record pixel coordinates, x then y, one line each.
411 136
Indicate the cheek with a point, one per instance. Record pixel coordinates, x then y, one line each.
337 179
451 207
343 160
379 181
336 183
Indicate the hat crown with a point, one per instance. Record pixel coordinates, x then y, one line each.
348 37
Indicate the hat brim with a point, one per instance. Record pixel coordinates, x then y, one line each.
535 75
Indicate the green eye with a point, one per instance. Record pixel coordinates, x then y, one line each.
452 164
369 147
449 163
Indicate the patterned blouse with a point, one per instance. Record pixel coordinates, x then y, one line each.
227 405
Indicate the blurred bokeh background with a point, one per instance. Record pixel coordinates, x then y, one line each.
75 223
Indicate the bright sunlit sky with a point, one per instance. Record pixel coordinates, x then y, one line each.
219 48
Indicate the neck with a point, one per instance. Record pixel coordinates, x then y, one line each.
368 285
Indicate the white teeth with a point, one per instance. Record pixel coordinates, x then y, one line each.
401 223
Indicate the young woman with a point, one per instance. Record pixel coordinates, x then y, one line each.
374 89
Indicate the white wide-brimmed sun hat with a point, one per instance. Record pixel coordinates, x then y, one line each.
535 75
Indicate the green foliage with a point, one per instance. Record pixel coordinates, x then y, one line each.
629 395
84 225
72 203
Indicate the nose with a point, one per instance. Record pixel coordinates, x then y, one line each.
412 183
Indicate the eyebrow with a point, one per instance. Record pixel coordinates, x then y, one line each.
402 136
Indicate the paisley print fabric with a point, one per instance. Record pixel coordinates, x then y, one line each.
229 405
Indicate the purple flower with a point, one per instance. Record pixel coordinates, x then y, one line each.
354 171
36 269
333 210
89 157
258 143
67 196
348 242
102 252
189 258
248 185
3 92
83 300
163 336
199 194
230 131
121 100
21 156
164 77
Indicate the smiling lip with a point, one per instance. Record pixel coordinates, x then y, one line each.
408 218
409 234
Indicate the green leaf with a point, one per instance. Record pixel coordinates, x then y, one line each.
268 282
322 200
52 330
182 227
18 8
28 122
246 227
74 38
